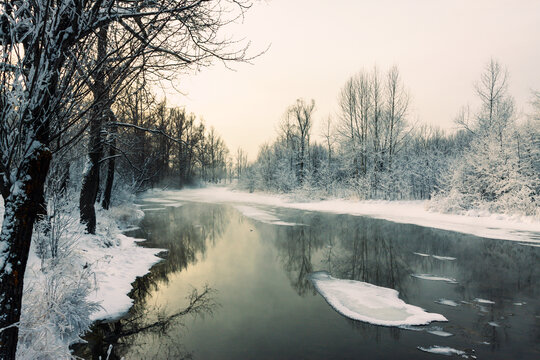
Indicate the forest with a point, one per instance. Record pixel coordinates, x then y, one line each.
83 131
372 149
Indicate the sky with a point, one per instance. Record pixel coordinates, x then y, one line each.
440 48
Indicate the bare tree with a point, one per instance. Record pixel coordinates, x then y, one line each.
43 80
301 114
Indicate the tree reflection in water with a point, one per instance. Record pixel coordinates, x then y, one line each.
185 233
243 263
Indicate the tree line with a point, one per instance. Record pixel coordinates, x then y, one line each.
372 150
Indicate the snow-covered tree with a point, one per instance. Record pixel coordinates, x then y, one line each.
43 89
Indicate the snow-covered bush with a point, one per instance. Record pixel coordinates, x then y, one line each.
55 312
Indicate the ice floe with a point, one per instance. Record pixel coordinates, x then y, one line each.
529 244
440 333
484 301
493 323
441 350
447 302
434 278
421 254
369 303
444 258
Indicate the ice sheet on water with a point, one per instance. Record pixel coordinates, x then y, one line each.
484 301
440 333
447 302
444 258
174 204
434 278
261 215
159 200
529 244
441 350
369 303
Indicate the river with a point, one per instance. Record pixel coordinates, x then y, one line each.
233 287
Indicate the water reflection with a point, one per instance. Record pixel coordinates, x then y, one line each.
269 309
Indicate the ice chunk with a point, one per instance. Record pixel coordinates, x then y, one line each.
530 244
434 278
493 323
153 209
520 303
441 350
484 301
447 302
369 303
421 254
447 258
440 333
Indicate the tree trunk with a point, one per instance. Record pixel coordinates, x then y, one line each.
21 212
111 165
90 185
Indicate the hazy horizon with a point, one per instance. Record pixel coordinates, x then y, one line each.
439 47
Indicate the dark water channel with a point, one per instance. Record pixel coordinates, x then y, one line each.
259 304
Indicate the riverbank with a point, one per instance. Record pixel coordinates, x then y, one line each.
495 226
88 279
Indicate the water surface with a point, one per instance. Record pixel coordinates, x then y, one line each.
251 297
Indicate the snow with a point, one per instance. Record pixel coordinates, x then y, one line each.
434 278
369 303
447 302
115 268
495 226
441 350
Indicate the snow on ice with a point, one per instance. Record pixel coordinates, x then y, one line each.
444 258
484 301
441 350
434 278
447 302
369 303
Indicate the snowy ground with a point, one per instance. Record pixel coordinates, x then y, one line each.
494 226
113 258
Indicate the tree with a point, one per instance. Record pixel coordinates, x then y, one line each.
44 84
301 114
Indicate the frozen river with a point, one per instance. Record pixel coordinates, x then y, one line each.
256 261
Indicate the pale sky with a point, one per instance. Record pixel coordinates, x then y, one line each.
439 46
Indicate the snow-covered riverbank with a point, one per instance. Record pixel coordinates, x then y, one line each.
495 226
89 280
